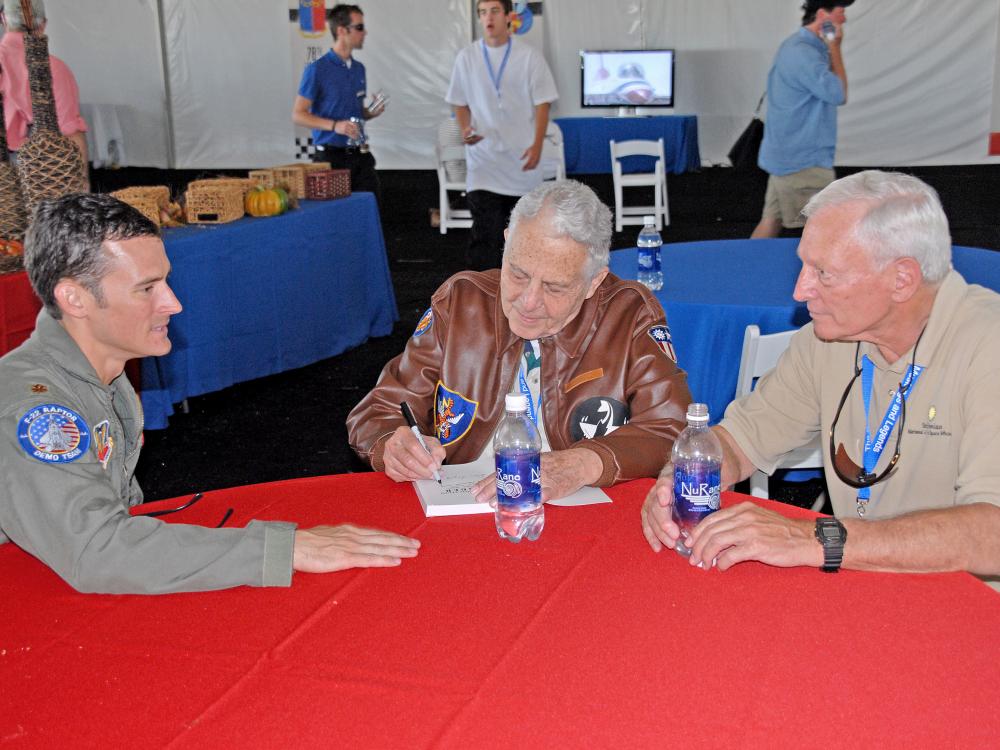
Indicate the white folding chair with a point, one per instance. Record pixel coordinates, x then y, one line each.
553 161
657 179
760 354
456 218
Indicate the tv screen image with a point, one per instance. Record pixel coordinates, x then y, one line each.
627 78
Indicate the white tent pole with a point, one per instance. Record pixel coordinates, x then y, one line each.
165 67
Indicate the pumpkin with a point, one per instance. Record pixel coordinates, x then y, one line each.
263 201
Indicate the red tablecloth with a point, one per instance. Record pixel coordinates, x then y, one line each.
585 638
18 309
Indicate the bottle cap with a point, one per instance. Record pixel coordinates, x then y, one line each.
516 402
697 412
649 220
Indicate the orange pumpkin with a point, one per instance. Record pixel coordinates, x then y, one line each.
263 201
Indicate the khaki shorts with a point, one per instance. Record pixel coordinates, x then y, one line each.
788 194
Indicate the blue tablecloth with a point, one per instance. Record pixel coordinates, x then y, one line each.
264 295
713 290
586 139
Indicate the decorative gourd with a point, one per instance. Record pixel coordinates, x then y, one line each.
266 201
49 164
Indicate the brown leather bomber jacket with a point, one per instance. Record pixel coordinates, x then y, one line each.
607 381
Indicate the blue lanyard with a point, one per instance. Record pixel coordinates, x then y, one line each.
496 77
533 406
875 444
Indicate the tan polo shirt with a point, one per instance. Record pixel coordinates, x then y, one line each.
950 451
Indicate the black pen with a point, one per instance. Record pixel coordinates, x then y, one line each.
408 416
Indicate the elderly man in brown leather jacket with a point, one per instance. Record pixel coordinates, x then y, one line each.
592 353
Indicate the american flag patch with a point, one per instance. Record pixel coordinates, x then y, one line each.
661 336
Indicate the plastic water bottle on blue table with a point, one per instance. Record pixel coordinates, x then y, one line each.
517 446
650 272
697 461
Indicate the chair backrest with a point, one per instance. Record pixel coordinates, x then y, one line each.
451 166
636 148
760 355
553 156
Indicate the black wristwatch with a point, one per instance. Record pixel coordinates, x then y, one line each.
832 535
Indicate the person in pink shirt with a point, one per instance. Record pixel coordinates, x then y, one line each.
16 91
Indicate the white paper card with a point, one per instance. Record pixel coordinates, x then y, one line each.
453 497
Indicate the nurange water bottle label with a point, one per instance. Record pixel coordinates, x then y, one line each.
697 492
519 479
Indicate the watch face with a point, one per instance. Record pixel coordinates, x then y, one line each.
829 530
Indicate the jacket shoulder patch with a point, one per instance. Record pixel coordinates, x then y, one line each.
52 433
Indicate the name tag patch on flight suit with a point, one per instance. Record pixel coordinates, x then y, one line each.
103 442
661 336
424 324
52 433
597 417
453 414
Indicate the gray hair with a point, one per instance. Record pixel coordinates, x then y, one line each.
573 210
904 219
15 16
65 237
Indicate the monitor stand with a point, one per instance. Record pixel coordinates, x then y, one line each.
627 112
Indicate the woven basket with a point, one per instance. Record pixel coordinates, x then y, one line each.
328 184
316 166
214 204
149 201
261 178
11 263
49 164
13 220
292 175
243 183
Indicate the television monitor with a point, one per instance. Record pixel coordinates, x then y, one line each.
627 78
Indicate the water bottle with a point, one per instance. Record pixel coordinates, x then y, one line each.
649 243
517 446
697 460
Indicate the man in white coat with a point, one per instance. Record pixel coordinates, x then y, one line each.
500 90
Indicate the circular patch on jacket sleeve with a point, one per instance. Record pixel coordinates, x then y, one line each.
424 324
598 416
52 433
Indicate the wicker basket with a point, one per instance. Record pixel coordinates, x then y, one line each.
11 263
243 183
261 178
292 175
148 201
49 165
328 184
316 166
13 219
214 204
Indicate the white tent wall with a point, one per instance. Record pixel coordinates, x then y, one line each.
409 52
922 72
113 48
229 69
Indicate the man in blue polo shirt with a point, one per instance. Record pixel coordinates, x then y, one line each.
332 92
806 84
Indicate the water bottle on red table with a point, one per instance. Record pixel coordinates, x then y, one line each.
517 446
697 461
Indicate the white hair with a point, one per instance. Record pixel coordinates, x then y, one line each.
573 210
904 219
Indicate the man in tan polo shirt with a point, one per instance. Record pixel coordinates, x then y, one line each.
886 307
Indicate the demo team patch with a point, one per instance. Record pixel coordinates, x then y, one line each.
52 433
